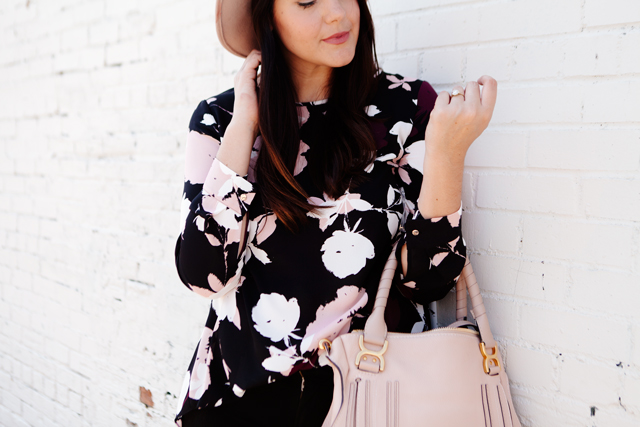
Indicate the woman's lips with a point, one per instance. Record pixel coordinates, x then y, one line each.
338 38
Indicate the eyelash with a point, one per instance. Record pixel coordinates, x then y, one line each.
306 5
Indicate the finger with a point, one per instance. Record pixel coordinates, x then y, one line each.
461 97
252 61
489 92
254 56
442 100
472 93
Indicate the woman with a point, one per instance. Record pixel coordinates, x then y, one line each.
331 159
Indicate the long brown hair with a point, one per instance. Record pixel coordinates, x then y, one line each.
341 159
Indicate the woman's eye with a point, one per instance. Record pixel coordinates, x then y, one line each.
306 5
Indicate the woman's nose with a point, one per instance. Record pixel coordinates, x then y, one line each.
335 10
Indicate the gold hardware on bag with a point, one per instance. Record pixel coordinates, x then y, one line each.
488 357
364 350
324 344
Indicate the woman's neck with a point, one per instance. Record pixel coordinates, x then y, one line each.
312 82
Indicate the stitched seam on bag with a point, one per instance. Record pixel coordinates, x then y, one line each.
488 405
351 408
501 409
397 403
388 401
484 409
367 403
510 414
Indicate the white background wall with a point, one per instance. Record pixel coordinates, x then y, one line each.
95 100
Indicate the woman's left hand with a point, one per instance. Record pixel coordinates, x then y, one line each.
456 121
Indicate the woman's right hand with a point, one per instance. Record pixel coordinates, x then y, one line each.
242 130
245 105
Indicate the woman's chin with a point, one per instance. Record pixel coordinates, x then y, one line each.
341 60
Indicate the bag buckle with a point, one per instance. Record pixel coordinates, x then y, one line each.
364 352
486 358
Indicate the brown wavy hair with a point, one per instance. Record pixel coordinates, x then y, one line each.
349 148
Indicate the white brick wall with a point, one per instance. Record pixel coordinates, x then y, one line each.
96 99
551 189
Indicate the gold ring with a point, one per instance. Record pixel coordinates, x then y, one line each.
456 92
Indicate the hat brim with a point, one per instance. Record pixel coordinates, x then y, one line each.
234 28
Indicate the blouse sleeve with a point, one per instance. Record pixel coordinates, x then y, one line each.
436 251
214 201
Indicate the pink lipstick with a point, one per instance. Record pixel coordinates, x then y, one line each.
338 38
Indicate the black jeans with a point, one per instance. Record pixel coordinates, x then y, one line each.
281 404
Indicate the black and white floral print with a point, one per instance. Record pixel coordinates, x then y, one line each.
295 289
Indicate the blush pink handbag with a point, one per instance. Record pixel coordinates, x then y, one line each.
445 377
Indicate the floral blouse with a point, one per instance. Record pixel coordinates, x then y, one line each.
295 289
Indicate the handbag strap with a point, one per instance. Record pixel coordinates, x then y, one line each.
375 330
468 280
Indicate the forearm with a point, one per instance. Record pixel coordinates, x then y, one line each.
441 190
235 147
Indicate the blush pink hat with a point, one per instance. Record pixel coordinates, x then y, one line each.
234 28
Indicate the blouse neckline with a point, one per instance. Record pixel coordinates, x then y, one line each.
318 102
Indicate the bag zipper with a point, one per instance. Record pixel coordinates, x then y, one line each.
430 330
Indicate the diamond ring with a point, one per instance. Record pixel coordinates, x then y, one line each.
457 92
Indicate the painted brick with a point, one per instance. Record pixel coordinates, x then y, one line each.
574 332
122 52
10 400
176 14
30 415
104 31
74 38
603 12
385 31
591 382
636 345
602 101
630 396
492 231
135 25
92 58
538 59
601 244
600 54
379 8
533 193
158 46
405 65
530 367
539 104
588 149
612 198
516 19
503 316
467 190
460 25
443 67
535 408
618 417
57 351
6 417
494 61
541 280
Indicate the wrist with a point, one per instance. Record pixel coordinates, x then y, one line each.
245 126
443 157
443 151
